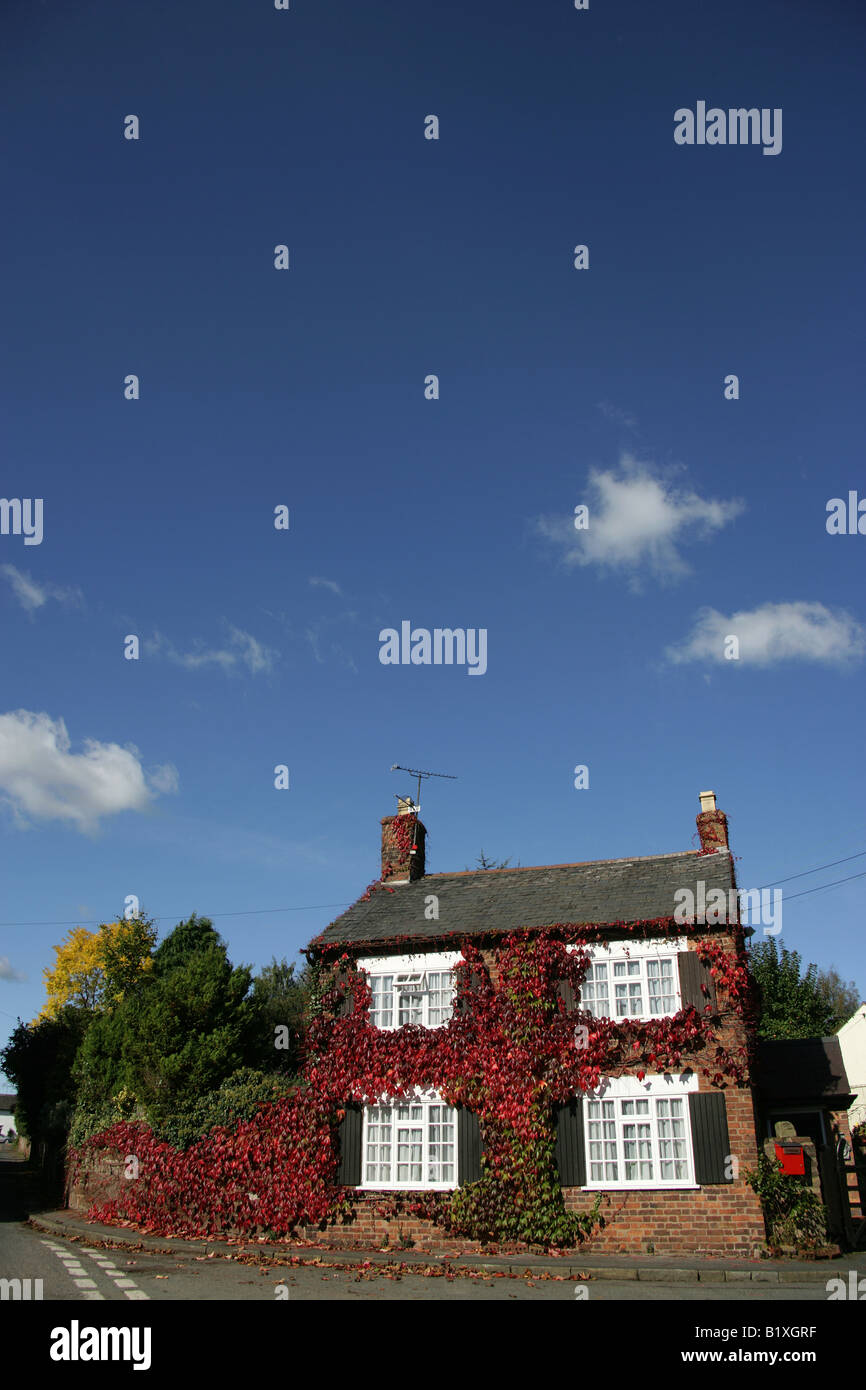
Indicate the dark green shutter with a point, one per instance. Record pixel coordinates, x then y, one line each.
565 990
349 1170
694 974
570 1147
468 1147
710 1143
347 1003
461 1001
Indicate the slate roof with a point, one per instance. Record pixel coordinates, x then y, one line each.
504 900
802 1071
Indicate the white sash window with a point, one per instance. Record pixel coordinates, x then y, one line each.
415 989
410 1143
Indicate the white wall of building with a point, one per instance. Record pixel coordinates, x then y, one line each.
852 1041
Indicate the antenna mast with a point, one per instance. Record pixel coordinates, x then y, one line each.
420 773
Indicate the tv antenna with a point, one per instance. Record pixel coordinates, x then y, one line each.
420 773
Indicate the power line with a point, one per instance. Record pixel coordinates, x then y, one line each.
806 872
320 907
822 886
247 912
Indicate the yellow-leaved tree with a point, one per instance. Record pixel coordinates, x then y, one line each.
94 969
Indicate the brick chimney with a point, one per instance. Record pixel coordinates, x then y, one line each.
403 861
712 824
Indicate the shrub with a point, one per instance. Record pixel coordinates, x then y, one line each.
794 1215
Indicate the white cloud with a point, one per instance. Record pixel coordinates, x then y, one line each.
32 595
616 416
637 519
251 652
327 584
242 650
8 973
41 779
164 779
775 632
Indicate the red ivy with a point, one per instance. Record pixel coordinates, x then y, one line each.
510 1053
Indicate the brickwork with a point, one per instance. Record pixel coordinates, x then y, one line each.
399 860
98 1179
723 1219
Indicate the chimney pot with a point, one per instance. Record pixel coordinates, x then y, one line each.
708 801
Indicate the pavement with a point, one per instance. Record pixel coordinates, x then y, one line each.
619 1268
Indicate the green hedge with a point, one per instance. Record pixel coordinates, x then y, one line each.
236 1099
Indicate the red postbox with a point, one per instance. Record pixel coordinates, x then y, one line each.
792 1158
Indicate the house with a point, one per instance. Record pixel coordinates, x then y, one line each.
852 1041
487 1025
7 1113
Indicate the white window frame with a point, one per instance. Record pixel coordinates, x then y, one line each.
639 953
423 964
426 1099
653 1088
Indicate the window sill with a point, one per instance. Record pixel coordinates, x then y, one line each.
633 1018
407 1187
641 1187
395 1027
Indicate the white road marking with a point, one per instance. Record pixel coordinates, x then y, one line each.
122 1281
88 1287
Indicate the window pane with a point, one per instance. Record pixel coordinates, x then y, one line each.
661 986
625 1145
441 1132
440 997
382 1002
411 1007
594 995
411 1143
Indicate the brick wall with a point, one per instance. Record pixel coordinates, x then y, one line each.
97 1179
723 1219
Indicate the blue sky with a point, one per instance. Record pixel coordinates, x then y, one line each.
305 388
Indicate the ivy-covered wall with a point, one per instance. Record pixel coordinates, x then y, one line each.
509 1054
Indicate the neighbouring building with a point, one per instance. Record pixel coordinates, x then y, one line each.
7 1113
852 1041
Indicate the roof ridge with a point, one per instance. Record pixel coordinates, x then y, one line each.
576 864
